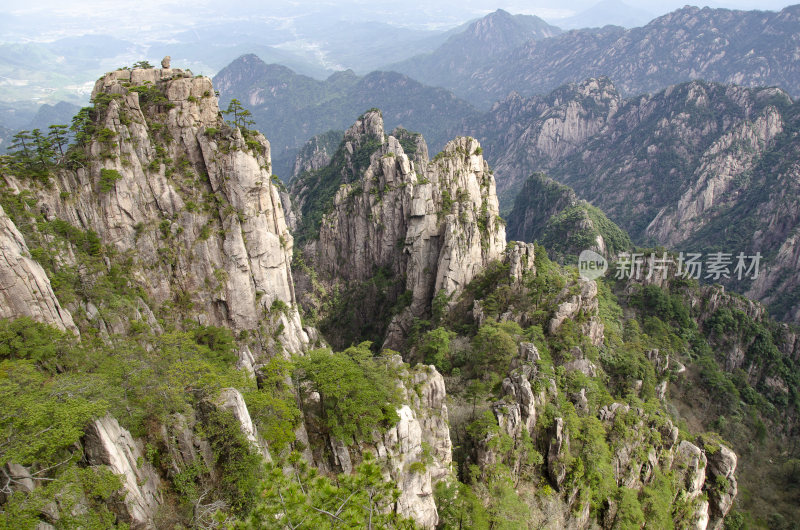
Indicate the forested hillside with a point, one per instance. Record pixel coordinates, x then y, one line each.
172 355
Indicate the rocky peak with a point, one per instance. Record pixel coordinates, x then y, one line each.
533 134
189 101
489 26
245 70
368 127
754 48
601 89
164 173
416 452
316 153
502 29
433 222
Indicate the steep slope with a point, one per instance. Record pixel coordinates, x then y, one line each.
399 224
523 135
156 174
25 289
552 215
650 146
438 219
752 48
172 250
194 398
291 108
463 53
316 153
679 168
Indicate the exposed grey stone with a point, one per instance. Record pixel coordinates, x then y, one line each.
235 277
25 290
106 443
231 399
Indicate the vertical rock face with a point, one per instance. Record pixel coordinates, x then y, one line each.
679 167
710 470
106 443
436 222
416 452
421 436
721 469
232 400
533 134
714 181
25 290
190 197
316 153
585 300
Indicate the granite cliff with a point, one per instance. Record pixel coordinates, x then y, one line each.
202 391
697 167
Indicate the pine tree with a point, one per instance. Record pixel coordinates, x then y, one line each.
44 151
58 137
21 149
240 115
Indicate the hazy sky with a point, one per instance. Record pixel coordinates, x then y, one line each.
36 19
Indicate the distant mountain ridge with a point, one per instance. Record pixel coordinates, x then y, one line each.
752 48
481 42
291 108
697 167
607 12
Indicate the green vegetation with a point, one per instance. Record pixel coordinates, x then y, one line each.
362 310
151 98
514 375
408 141
108 179
53 386
306 499
272 406
321 186
241 116
435 349
239 464
550 213
33 155
357 392
492 348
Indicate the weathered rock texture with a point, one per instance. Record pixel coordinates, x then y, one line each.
649 443
422 435
191 200
106 443
25 290
317 152
417 451
232 400
434 222
523 135
695 167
